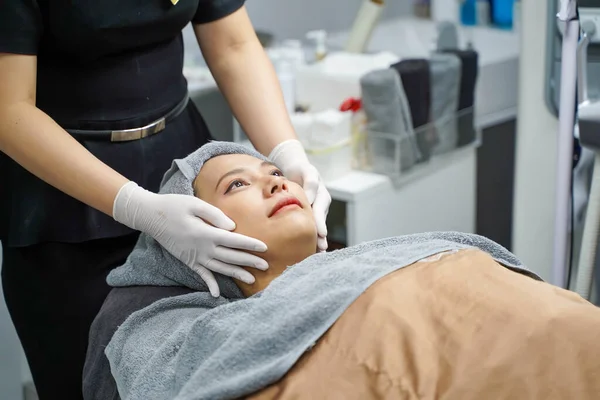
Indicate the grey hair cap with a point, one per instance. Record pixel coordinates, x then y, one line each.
179 179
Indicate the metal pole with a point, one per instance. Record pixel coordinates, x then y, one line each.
564 165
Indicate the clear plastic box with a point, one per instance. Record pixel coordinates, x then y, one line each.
395 154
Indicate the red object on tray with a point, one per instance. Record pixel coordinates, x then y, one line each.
351 104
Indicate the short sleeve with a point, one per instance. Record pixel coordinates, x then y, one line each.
212 10
20 26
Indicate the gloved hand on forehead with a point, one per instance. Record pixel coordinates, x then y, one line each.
291 158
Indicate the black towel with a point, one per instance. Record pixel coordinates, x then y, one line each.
468 79
415 77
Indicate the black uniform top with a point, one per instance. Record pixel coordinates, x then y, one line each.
110 64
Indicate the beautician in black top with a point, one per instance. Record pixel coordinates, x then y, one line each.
93 103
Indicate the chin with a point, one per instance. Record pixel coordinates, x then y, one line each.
293 227
300 220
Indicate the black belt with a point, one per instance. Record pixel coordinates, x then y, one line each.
126 135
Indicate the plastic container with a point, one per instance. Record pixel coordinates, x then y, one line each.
422 9
386 148
468 13
483 12
333 161
326 138
517 16
320 39
502 13
293 51
287 80
358 131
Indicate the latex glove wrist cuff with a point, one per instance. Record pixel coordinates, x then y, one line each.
120 205
290 150
123 209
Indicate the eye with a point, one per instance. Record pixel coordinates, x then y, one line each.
235 184
276 172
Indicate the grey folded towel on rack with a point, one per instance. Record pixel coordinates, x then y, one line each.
197 347
466 100
447 36
392 140
445 90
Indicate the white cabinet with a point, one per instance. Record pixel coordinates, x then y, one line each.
439 195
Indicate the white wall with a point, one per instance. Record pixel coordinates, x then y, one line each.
533 223
292 19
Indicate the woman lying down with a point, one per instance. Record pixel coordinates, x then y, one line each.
426 316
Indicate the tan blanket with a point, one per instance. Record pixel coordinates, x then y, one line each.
454 327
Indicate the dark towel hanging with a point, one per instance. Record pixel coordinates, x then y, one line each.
415 77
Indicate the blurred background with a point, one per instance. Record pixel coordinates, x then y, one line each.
430 115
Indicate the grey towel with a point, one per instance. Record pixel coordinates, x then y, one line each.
197 347
447 36
391 136
466 99
445 84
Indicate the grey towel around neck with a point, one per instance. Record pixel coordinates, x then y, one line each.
194 346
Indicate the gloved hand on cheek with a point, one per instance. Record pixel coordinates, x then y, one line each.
291 158
177 222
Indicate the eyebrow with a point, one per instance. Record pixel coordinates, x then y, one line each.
240 170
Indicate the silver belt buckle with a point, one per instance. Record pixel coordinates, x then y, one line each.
127 135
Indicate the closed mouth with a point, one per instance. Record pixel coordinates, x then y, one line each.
288 201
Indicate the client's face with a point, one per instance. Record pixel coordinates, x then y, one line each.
261 201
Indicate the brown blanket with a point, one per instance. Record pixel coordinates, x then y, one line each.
454 327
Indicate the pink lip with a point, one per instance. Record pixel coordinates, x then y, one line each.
284 203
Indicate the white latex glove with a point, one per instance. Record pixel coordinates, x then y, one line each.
177 222
291 158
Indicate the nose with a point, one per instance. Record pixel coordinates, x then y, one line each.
275 185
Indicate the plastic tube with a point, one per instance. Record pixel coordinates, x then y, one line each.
591 232
365 22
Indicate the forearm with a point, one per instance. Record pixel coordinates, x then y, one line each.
248 81
42 147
